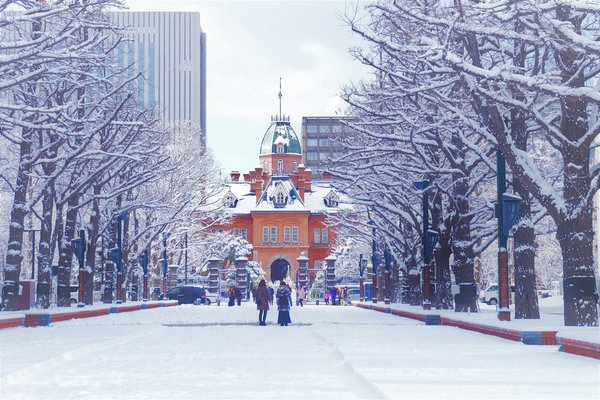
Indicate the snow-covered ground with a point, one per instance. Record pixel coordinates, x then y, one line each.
193 352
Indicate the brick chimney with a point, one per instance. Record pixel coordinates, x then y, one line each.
247 177
301 188
259 183
235 176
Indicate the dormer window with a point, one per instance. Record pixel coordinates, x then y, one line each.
230 200
280 198
331 200
280 149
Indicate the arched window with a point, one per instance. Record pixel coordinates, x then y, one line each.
295 166
280 198
280 167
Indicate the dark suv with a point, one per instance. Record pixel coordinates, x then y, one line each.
187 294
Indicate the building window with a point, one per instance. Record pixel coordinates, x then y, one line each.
324 142
236 231
273 234
295 166
311 128
324 235
312 142
317 235
280 167
265 234
318 264
312 155
280 199
323 128
294 234
280 149
323 156
286 234
244 232
337 128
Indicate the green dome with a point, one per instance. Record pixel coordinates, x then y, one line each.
280 132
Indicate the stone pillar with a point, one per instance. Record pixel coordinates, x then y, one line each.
330 275
302 270
213 275
240 264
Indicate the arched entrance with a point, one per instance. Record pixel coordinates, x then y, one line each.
279 269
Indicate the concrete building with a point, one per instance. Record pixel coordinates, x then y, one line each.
320 141
169 49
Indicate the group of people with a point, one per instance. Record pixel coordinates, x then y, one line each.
264 298
338 297
234 294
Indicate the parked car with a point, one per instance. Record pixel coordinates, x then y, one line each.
74 289
490 296
186 294
354 294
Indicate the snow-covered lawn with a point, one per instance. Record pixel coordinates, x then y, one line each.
195 352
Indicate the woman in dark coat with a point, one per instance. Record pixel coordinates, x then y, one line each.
283 304
262 302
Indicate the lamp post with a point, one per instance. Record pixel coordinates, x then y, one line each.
143 260
79 248
118 254
387 257
374 262
507 212
422 186
186 258
362 264
166 236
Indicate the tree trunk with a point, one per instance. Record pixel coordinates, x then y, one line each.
44 276
109 268
443 284
92 247
14 250
65 256
462 247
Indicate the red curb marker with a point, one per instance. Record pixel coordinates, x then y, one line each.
509 334
12 322
129 308
580 348
77 315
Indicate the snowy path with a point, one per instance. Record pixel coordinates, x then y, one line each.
329 352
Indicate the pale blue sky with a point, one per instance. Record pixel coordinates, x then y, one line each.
250 44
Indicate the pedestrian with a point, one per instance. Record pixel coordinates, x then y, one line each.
231 296
262 302
326 297
302 296
271 294
333 296
238 296
283 304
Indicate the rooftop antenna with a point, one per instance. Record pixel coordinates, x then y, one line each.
280 95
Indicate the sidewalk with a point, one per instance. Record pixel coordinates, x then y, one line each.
37 317
548 330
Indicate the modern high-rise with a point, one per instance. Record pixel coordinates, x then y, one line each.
169 49
319 141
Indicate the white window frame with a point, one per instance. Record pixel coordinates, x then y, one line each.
286 234
265 234
324 236
280 167
294 234
273 234
244 232
317 235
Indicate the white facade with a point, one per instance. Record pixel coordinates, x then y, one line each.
169 49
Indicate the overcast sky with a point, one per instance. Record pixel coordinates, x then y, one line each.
250 44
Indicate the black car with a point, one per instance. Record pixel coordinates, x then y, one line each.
187 294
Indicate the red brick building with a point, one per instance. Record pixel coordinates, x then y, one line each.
279 209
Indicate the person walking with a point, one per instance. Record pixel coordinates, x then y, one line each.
333 296
271 294
302 296
238 296
326 297
231 295
284 295
262 302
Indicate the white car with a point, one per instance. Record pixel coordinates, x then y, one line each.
490 296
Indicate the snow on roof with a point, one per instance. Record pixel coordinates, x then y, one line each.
313 200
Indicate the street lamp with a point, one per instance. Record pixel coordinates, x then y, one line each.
166 236
362 265
118 254
387 257
429 240
374 261
143 260
79 248
507 212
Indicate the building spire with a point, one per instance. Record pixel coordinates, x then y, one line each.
280 95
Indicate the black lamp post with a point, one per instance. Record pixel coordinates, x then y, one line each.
387 257
143 260
362 265
119 254
374 261
429 240
79 248
166 236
